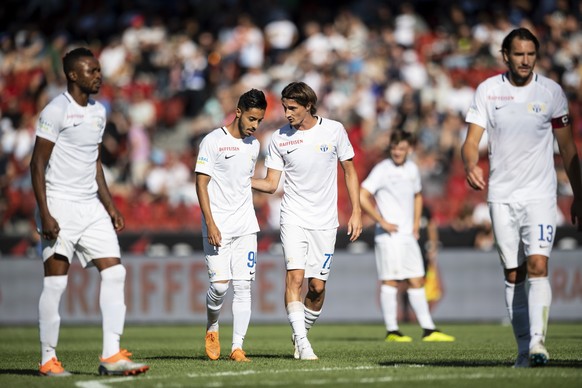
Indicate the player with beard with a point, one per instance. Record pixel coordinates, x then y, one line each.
523 112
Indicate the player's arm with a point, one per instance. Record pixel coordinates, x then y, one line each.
214 235
470 154
41 155
417 214
571 163
269 183
353 186
105 197
368 205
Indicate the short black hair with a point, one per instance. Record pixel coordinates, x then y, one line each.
254 98
73 56
302 94
401 135
519 33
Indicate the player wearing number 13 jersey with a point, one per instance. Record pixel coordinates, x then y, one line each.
225 165
522 112
307 150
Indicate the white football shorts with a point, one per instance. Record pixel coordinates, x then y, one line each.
308 249
86 229
235 259
398 257
523 229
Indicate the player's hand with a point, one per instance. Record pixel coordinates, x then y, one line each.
50 228
576 213
388 227
355 227
214 235
117 220
475 177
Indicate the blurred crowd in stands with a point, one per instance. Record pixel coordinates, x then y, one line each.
173 71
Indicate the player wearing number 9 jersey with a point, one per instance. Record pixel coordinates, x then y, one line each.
225 165
522 112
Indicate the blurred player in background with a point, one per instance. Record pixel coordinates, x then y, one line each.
76 214
307 151
391 195
225 165
523 112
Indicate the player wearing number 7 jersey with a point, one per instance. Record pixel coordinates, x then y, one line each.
307 150
225 165
523 112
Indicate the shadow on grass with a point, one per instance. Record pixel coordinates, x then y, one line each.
200 357
20 372
271 356
349 339
481 363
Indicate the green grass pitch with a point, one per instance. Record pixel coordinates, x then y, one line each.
351 355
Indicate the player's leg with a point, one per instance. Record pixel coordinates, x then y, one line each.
295 248
218 260
57 255
539 235
539 302
111 303
506 226
99 246
244 266
54 285
413 269
318 266
114 360
388 268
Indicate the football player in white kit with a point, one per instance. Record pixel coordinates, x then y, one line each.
225 165
523 112
307 150
76 214
391 195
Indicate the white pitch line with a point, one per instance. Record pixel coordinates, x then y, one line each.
106 383
102 383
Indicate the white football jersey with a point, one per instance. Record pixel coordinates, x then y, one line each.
394 188
520 136
230 162
309 160
77 132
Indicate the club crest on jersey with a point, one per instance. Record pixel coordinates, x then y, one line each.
536 107
324 148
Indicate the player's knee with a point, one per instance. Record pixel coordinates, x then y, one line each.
219 289
537 266
241 286
242 289
56 283
317 288
115 273
294 280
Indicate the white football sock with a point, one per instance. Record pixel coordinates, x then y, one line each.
310 318
296 317
389 306
112 304
214 298
418 302
49 320
241 311
517 308
539 300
